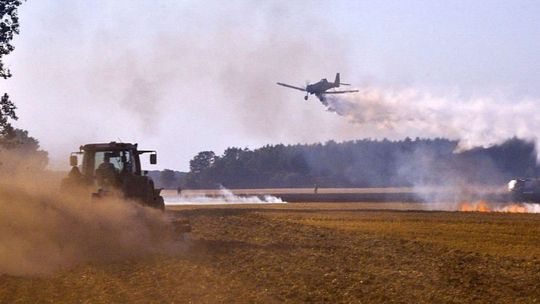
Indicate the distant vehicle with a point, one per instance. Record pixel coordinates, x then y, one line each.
320 88
525 190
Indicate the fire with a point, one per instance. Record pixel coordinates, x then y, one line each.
464 206
515 209
480 206
484 206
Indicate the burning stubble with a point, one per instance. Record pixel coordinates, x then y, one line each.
486 206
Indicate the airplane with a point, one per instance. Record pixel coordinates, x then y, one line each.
320 88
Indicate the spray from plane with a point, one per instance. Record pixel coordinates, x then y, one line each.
475 121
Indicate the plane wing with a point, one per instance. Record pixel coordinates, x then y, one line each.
340 92
290 86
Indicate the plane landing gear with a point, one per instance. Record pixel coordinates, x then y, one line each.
305 97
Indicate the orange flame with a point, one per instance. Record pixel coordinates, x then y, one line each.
480 206
515 209
484 206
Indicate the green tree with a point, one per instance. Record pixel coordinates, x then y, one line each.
7 111
9 26
202 161
22 151
167 178
365 163
200 167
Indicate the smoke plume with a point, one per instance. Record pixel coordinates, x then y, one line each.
474 121
225 196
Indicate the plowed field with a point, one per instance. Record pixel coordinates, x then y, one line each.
315 253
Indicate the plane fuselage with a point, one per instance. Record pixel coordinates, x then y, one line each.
320 87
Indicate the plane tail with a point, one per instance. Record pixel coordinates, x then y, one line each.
337 82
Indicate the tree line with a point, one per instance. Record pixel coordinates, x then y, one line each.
18 150
363 163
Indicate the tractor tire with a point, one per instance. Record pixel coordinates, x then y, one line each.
160 203
151 199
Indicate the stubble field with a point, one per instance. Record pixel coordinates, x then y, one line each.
315 253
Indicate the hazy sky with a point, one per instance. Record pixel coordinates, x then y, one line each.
187 76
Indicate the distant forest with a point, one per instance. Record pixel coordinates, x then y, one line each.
363 163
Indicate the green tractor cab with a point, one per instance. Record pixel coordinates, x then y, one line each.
114 168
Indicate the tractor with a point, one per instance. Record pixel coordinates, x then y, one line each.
113 167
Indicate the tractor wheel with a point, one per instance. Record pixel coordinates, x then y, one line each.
150 198
160 203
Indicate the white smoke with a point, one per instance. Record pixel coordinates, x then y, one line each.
474 121
524 208
225 196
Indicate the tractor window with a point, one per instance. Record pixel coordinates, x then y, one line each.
121 160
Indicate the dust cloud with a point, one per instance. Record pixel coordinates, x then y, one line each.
154 70
42 230
192 59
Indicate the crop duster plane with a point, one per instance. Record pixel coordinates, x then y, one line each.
320 88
